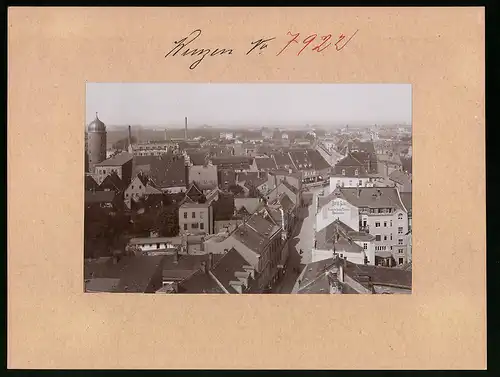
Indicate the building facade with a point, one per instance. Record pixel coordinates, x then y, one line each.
96 143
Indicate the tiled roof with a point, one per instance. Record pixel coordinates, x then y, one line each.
289 186
301 159
349 161
113 182
313 270
262 226
90 183
400 177
380 275
320 285
135 272
265 163
228 265
326 239
370 197
185 266
197 158
99 197
168 172
283 161
286 203
118 160
317 160
250 238
199 282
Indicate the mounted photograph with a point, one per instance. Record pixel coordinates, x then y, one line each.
248 188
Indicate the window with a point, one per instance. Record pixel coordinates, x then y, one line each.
385 224
343 171
365 246
356 172
185 215
400 216
380 210
350 182
391 223
400 251
140 187
185 226
202 226
377 237
385 238
201 215
360 182
194 226
126 195
400 230
193 215
400 241
377 225
132 187
400 260
391 236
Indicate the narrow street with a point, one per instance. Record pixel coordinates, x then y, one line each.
303 240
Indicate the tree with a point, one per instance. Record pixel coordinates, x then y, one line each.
167 222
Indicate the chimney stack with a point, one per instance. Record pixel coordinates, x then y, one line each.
185 128
176 256
210 261
129 136
166 138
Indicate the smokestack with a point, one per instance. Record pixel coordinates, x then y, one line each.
210 261
129 136
166 135
185 128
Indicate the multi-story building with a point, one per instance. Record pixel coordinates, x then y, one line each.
378 211
121 164
196 218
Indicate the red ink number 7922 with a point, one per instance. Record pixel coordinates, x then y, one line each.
318 48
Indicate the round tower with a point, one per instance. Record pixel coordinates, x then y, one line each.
96 142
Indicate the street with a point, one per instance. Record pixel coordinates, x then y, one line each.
303 240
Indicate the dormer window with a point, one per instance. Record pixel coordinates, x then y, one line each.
356 172
343 171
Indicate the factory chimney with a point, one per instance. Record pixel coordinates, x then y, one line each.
129 139
166 138
185 128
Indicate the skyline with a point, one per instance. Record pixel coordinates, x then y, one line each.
286 105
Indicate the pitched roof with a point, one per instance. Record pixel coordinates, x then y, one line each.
113 182
99 197
379 275
317 160
283 161
227 266
199 282
186 265
289 186
370 197
117 160
135 272
349 161
90 183
197 158
261 225
314 270
400 177
168 172
286 203
265 163
340 237
300 159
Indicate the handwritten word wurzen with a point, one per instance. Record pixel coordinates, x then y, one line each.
203 52
317 44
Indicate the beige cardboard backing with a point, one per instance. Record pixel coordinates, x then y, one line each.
53 52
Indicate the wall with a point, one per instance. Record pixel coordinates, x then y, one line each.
204 176
220 225
201 219
337 209
102 171
96 148
349 182
135 190
369 251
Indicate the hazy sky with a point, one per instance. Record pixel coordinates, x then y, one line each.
243 104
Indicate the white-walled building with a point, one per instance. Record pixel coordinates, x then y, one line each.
378 211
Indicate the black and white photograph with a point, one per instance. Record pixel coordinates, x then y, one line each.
246 188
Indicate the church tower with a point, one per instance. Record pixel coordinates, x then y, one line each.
96 142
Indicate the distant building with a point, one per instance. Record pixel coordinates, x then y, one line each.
205 176
121 164
349 172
